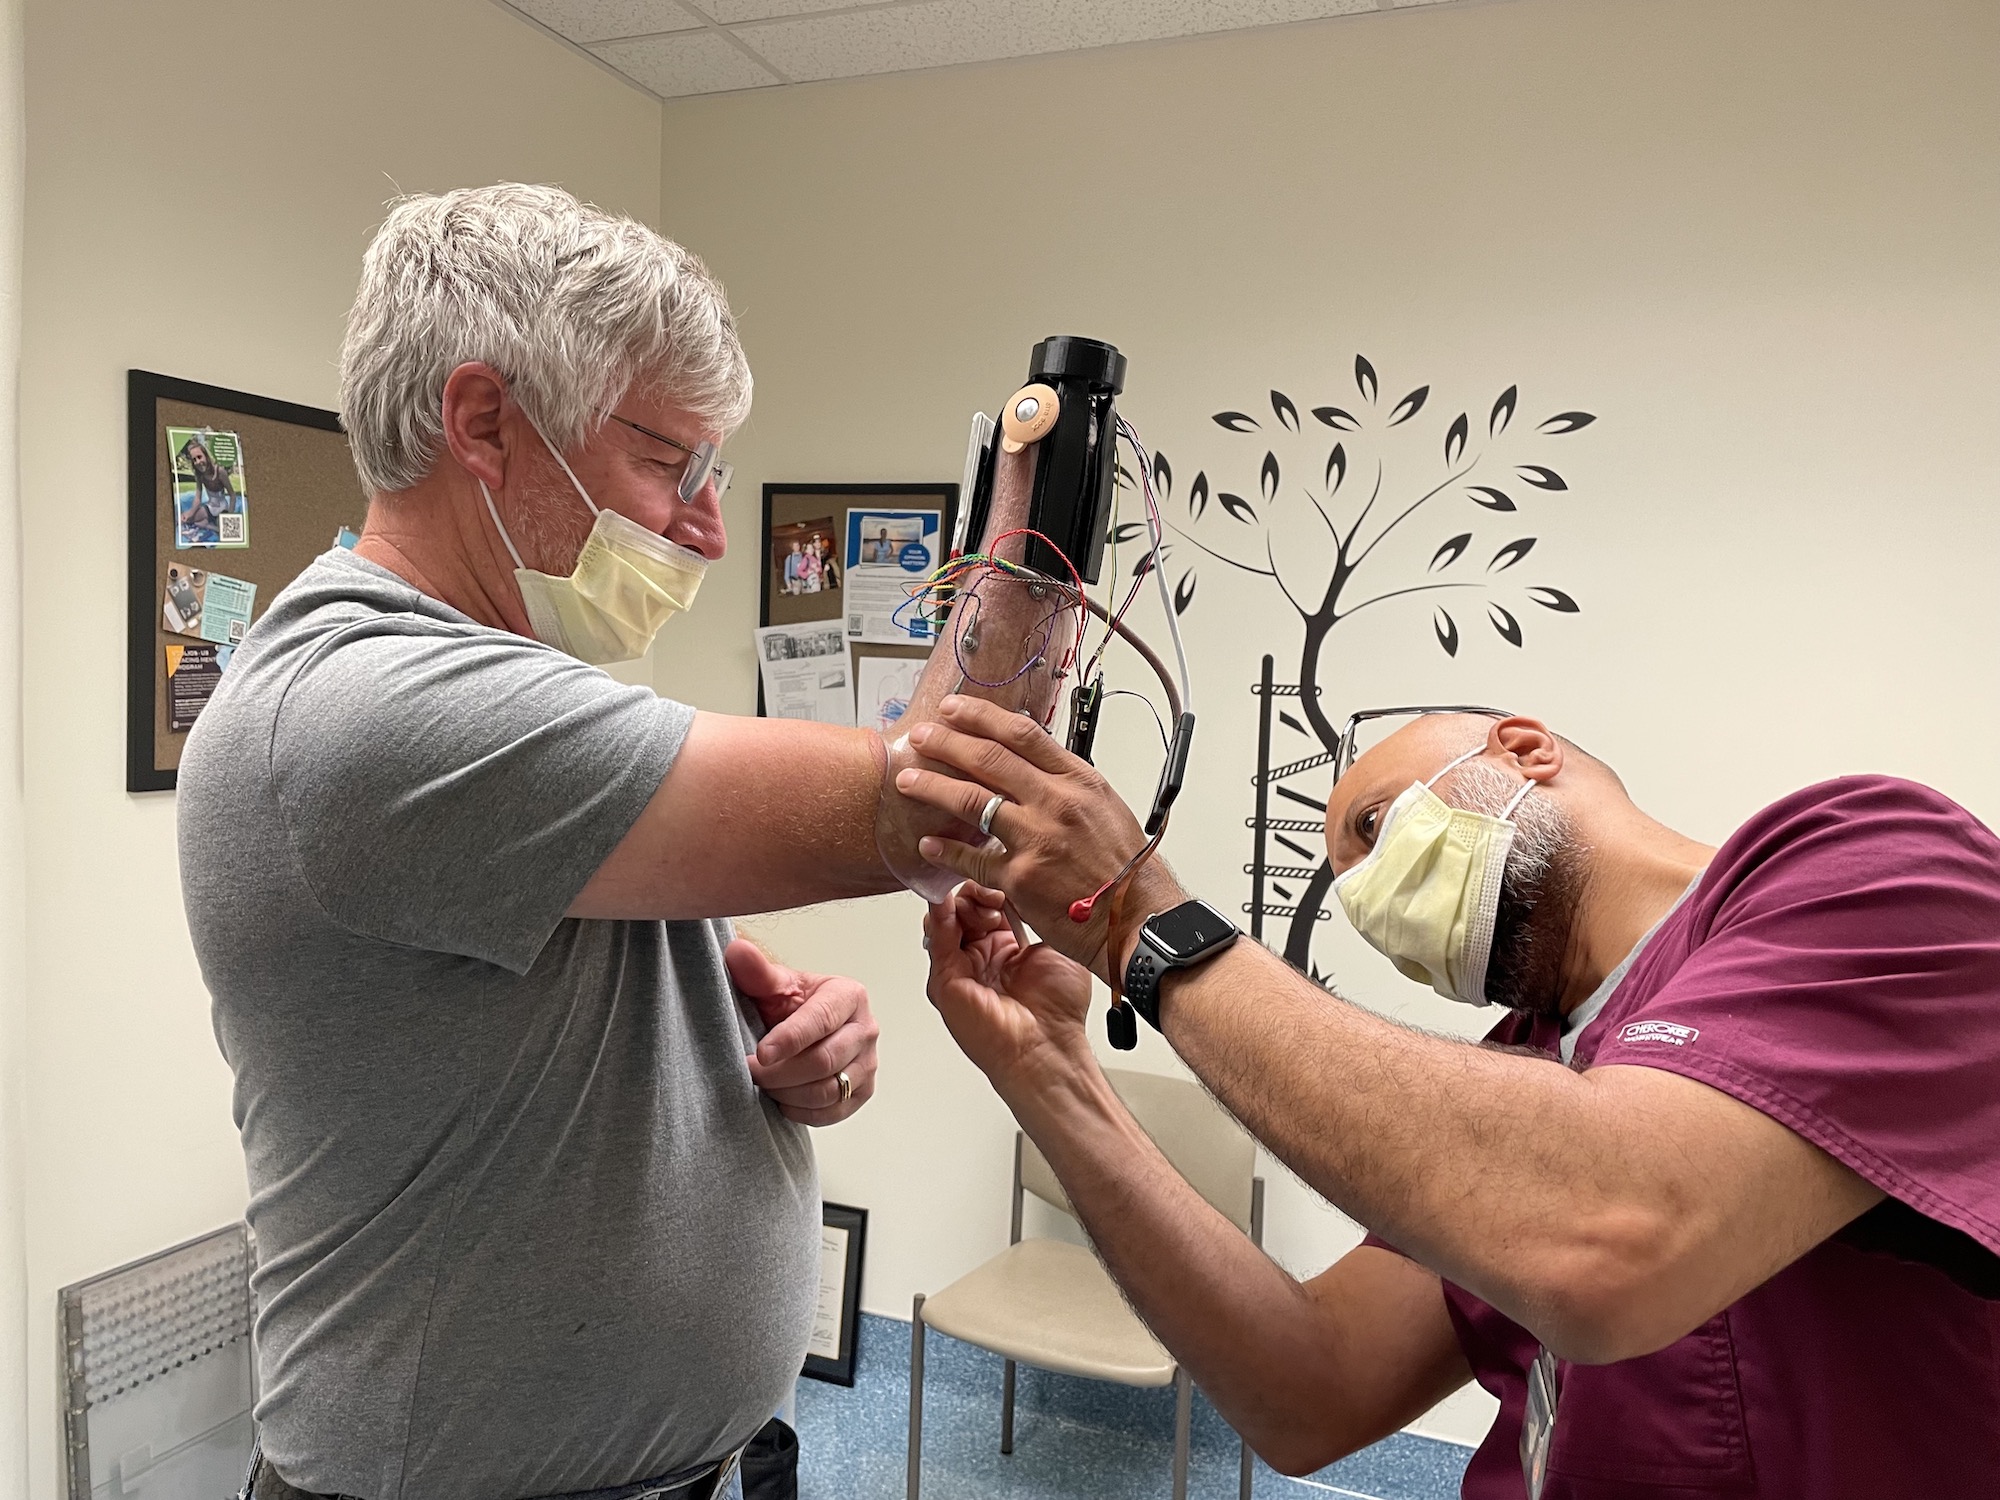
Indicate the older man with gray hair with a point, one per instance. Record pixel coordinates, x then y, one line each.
534 1209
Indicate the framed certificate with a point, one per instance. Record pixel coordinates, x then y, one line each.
843 1236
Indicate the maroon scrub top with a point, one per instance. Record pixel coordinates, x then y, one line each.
1838 968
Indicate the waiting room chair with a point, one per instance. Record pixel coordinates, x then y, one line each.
1051 1304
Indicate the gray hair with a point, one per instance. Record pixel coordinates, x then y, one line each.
575 306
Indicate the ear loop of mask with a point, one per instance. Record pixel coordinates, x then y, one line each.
1514 802
583 494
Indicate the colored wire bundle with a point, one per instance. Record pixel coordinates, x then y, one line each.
957 590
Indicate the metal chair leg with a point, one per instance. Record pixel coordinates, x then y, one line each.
1249 1467
1183 1420
916 1395
1007 1408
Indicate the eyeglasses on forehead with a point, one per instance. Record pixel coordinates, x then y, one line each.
1347 751
702 460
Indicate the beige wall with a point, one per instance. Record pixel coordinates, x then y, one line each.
284 128
1756 240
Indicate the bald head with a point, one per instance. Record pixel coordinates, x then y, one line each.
1514 748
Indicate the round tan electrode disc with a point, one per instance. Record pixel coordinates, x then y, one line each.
1028 416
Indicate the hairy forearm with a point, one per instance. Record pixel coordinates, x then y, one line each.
1006 639
1269 1356
1500 1171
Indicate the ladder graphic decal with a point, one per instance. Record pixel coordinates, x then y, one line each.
1304 908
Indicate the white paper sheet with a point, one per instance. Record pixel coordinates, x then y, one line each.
806 673
887 685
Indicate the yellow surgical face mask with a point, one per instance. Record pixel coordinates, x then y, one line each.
627 583
1427 893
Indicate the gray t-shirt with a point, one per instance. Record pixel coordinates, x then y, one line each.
524 1224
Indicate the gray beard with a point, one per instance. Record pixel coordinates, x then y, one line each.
1540 890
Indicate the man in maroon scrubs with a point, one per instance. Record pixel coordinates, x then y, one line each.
1744 1243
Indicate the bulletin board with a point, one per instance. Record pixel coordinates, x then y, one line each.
802 511
231 496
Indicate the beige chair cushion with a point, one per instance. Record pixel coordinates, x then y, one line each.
1049 1303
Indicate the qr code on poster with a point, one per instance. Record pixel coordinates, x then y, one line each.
229 528
854 624
236 629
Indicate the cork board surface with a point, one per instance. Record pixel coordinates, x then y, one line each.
299 489
810 509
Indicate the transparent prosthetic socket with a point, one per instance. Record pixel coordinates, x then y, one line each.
1011 638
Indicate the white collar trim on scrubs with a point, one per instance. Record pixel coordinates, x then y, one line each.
1584 1014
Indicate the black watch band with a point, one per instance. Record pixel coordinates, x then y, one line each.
1142 983
1187 935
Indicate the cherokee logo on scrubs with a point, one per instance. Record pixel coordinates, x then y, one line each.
1659 1031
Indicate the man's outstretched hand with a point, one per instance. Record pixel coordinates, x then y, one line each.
1017 1011
817 1027
1059 834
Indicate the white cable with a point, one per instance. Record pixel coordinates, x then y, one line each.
1153 525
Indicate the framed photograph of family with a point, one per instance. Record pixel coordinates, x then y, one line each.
838 638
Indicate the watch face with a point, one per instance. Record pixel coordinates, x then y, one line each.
1190 930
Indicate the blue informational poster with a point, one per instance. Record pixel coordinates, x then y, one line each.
890 553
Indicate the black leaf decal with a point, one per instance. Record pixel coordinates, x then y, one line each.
1491 498
1125 476
1236 421
1364 378
1184 593
1163 475
1409 406
1144 565
1281 890
1238 507
1336 468
1506 624
1336 418
1451 551
1268 476
1447 631
1541 478
1288 414
1510 554
1554 599
1566 421
1503 410
1454 441
1198 495
1129 531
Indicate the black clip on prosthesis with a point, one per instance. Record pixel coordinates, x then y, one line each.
1076 463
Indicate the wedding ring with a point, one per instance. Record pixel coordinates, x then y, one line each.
846 1086
986 818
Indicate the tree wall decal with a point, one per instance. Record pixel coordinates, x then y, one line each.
1347 483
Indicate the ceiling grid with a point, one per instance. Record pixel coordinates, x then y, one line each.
676 48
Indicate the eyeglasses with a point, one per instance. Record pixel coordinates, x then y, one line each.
1346 752
702 460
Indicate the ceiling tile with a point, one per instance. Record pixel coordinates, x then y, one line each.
729 12
937 33
598 20
692 62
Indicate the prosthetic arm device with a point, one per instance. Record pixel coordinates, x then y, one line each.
1010 605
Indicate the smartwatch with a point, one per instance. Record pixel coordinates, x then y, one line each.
1176 939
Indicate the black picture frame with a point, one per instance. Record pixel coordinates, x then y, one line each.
942 495
839 1370
144 390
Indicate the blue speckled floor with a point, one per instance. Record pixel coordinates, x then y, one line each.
1071 1437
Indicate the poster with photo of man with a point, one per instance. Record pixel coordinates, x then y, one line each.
211 503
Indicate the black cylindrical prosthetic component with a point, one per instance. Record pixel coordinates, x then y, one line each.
1074 464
